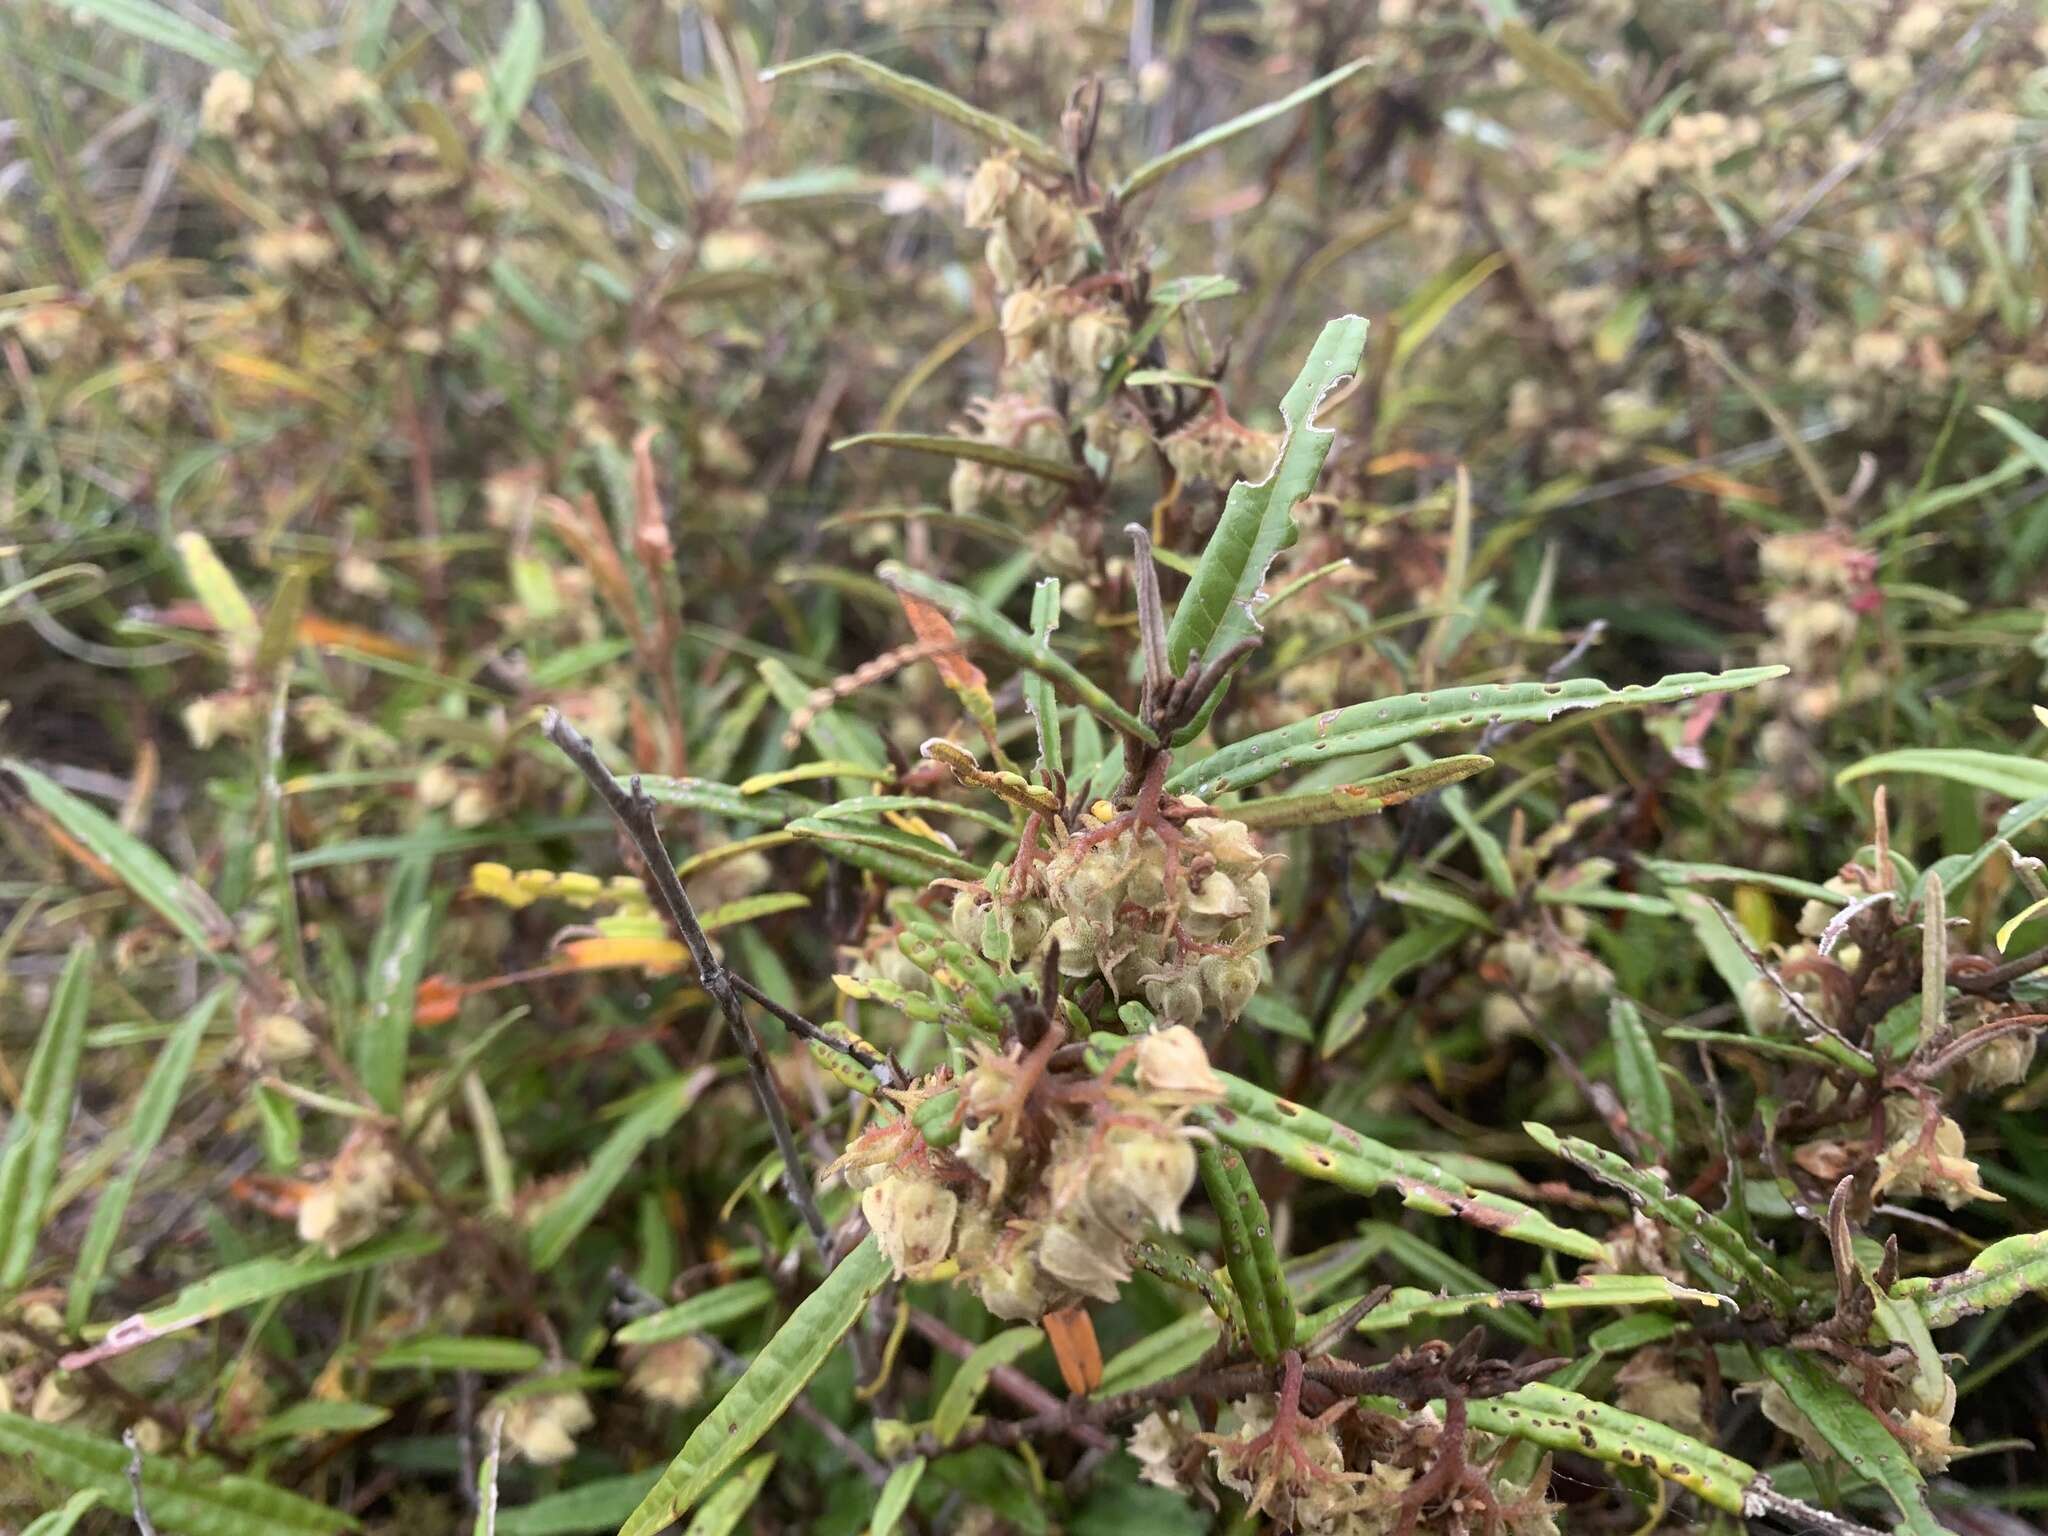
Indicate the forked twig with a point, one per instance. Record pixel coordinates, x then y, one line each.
634 810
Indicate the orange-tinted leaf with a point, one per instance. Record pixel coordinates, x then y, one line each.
934 629
438 1000
1072 1333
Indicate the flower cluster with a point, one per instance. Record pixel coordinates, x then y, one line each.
1178 918
1052 1179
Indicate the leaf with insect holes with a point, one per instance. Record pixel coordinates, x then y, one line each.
1997 1277
1558 1420
1318 1147
1386 723
1264 1305
1719 1246
757 1401
1216 610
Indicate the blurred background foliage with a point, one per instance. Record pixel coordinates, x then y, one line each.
376 375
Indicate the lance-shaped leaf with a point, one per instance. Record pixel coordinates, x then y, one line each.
1215 611
1386 723
157 24
728 1505
565 1217
1719 1246
1368 797
895 1496
1638 1078
957 1402
42 1116
929 98
150 1119
2001 1274
589 1509
2003 773
1854 1433
1318 1147
1164 165
245 1284
763 1394
712 1309
188 1500
1000 455
1029 652
662 139
130 860
1559 1420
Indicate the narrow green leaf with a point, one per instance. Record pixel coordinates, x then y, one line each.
1638 1078
965 1389
316 1417
147 1123
1257 523
138 866
615 78
1254 1263
2003 773
156 24
1407 951
1384 724
60 1522
969 612
1165 165
895 1496
712 1309
1853 1433
592 1507
1407 1305
757 1401
191 1501
913 92
512 75
42 1117
565 1217
729 1503
456 1353
1565 74
1559 1420
1368 797
245 1284
941 446
1719 1246
398 959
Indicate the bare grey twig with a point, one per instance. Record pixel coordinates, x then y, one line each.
635 813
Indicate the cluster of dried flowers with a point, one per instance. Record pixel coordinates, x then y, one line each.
1053 1178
